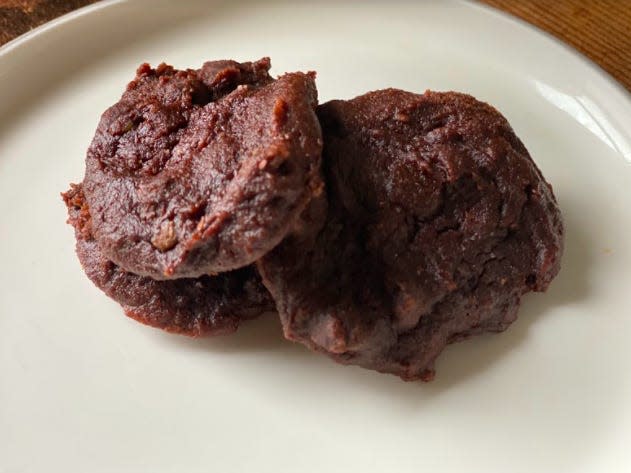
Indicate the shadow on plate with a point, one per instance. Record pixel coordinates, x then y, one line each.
458 363
474 356
261 335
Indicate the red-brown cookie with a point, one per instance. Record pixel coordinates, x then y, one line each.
197 172
208 305
438 222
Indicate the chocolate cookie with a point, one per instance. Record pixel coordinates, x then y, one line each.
438 222
197 172
208 305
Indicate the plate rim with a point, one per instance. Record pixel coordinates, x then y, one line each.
74 15
55 23
567 47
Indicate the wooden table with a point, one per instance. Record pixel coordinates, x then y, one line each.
600 29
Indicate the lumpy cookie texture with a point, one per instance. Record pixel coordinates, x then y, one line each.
197 172
437 222
433 223
208 305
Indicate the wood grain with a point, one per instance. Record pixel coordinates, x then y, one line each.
600 29
19 16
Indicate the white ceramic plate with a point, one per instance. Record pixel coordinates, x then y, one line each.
84 389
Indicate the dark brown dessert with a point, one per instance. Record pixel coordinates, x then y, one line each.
208 305
202 171
438 222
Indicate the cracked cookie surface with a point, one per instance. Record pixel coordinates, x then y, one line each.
438 221
197 172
